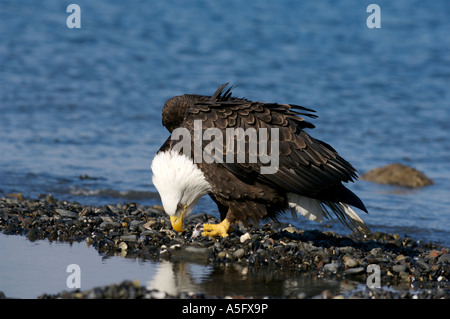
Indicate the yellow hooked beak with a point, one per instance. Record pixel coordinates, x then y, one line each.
177 222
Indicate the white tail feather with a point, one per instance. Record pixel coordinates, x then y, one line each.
313 209
307 207
351 213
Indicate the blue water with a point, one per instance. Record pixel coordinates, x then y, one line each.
77 102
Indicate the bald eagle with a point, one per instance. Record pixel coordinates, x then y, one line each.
308 177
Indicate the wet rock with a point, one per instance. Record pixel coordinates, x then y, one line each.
398 175
350 262
444 259
224 254
113 209
239 253
423 265
128 238
354 271
135 224
33 234
332 267
399 268
66 213
245 237
123 246
109 225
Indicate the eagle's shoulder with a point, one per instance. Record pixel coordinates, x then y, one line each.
223 110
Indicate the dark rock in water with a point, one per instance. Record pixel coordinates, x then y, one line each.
398 175
33 234
354 271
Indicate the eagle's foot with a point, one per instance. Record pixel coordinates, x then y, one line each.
216 229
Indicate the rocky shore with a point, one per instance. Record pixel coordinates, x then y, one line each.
422 269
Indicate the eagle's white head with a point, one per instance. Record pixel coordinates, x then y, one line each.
180 184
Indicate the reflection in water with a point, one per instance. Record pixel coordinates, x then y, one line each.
179 277
237 280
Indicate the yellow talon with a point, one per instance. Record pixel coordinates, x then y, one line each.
216 229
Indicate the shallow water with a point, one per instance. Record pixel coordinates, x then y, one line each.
32 268
80 109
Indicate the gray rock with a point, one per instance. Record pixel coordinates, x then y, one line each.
444 259
109 225
350 262
134 224
66 213
332 267
129 238
114 209
346 249
106 219
239 253
423 265
224 254
33 234
354 271
197 250
399 268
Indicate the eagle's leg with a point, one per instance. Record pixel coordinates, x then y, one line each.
216 229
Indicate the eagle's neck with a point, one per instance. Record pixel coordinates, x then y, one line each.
178 180
174 109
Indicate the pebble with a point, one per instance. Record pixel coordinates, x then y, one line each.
66 213
350 262
245 237
354 271
239 253
109 225
128 238
332 267
134 225
444 259
399 268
